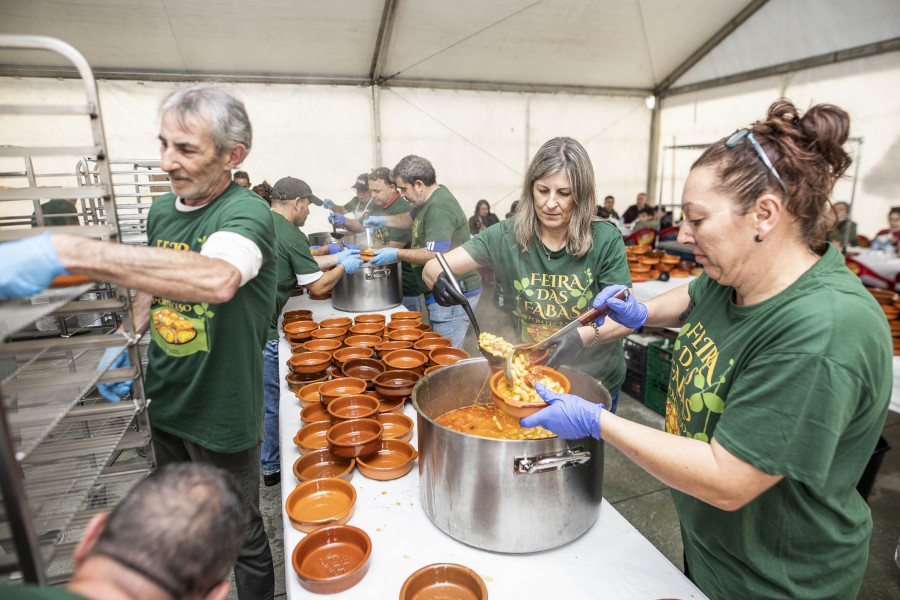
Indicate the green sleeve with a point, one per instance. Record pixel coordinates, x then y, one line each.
300 256
440 224
251 218
485 246
398 207
612 268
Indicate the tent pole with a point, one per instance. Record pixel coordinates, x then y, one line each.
852 196
653 154
376 123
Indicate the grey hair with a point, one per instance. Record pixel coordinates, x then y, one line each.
181 527
414 168
229 123
560 154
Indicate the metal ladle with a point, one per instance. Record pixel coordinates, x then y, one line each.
466 306
581 320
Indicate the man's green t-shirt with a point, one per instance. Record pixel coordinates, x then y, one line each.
436 222
57 207
551 292
292 258
797 385
204 373
385 235
837 234
33 592
355 205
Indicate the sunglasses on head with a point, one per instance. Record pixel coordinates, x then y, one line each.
739 136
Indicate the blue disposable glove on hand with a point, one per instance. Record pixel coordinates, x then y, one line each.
351 261
328 204
384 256
337 219
375 222
335 248
568 416
114 358
630 313
314 247
29 266
351 246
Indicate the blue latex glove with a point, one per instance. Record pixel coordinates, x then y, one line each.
384 256
328 204
337 219
314 247
335 248
351 260
375 222
568 416
114 358
351 246
29 266
630 313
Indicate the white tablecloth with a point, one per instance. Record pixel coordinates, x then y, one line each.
645 290
612 560
885 265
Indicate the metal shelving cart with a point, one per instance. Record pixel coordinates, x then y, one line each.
66 453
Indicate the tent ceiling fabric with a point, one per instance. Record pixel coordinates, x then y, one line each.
605 45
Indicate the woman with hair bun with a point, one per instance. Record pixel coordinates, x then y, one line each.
781 372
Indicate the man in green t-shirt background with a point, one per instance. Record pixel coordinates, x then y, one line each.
57 213
358 204
290 199
438 225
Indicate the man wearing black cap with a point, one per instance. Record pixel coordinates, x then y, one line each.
358 204
290 199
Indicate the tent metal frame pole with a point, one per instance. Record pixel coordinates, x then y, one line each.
653 154
376 123
845 241
379 56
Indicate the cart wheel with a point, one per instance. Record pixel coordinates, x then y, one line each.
664 276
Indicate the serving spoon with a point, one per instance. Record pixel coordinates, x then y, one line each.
582 319
466 306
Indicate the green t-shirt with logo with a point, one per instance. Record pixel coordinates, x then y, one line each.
292 258
440 219
204 373
385 235
543 294
797 385
33 592
68 214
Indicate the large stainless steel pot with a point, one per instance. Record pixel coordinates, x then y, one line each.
504 495
323 238
369 288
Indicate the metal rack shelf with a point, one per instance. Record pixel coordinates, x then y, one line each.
65 451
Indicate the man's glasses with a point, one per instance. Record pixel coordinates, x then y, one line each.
738 136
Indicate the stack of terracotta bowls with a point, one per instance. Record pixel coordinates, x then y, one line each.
646 263
890 304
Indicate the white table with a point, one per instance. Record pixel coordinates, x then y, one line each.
885 265
645 290
612 560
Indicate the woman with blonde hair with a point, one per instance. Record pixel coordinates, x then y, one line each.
551 259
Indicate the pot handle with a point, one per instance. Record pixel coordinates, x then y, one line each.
554 462
378 274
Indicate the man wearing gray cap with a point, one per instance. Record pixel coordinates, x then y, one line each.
290 198
358 204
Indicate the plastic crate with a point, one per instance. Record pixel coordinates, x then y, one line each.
659 361
655 396
634 385
635 356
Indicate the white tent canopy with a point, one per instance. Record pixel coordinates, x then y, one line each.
334 88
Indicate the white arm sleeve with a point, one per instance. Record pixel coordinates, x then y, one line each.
238 251
308 278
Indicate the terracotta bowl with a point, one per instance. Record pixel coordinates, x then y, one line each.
391 404
366 369
309 362
405 360
384 347
305 315
666 266
648 260
446 356
322 463
354 438
882 296
428 344
697 271
325 296
357 406
406 315
434 368
390 460
315 413
345 354
308 394
312 437
396 426
670 259
362 341
640 268
524 409
295 381
336 372
370 318
444 580
330 333
423 327
328 346
640 249
340 322
393 384
405 335
686 265
678 273
299 331
401 324
368 329
332 559
344 386
890 312
426 335
320 502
